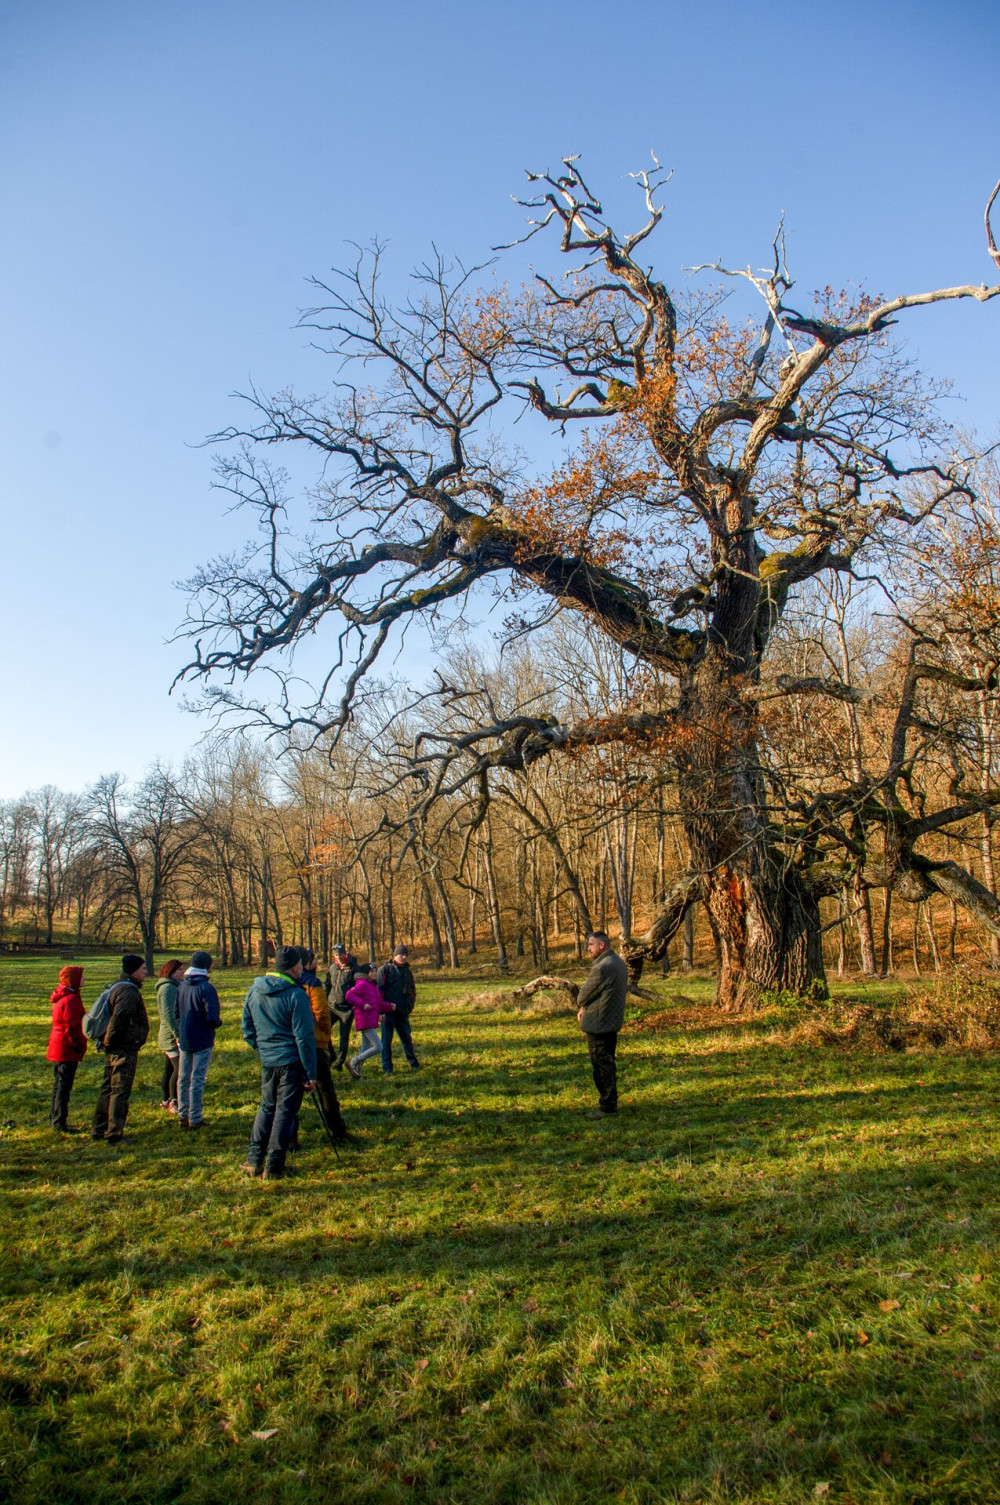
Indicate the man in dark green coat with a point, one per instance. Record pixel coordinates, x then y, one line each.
601 1012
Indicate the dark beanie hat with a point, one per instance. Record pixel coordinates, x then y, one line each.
202 960
131 963
287 958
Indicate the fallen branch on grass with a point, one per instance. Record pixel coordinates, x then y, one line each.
546 985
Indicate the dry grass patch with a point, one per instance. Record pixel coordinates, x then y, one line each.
960 1012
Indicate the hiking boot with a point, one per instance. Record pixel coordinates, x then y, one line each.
65 1129
249 1169
183 1123
354 1070
416 1066
602 1113
279 1173
113 1138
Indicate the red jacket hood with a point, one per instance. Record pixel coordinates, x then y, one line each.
71 977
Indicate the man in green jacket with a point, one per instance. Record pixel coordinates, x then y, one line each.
601 1012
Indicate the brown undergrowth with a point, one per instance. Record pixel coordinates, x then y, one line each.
960 1012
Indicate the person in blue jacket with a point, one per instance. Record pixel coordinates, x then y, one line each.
198 1017
278 1025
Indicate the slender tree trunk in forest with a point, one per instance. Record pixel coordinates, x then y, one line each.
932 935
863 918
989 879
520 885
886 965
390 913
493 903
425 889
473 902
447 917
687 963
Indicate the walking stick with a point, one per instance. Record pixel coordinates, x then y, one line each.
325 1122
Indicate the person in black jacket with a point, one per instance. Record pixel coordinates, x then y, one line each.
601 1012
397 986
340 977
128 1027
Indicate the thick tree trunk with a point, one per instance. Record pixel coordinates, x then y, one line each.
767 933
764 920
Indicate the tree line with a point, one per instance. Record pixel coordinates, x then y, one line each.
335 838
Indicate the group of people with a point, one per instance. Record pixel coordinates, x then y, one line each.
288 1019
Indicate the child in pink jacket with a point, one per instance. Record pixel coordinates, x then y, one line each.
368 1004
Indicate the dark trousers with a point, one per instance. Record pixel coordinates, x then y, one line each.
112 1100
326 1092
62 1086
281 1092
398 1023
168 1089
344 1042
602 1059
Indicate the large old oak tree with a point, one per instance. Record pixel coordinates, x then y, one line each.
709 468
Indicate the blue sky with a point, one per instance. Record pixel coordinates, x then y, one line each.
174 171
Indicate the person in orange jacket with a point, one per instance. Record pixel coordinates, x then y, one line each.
322 1024
67 1044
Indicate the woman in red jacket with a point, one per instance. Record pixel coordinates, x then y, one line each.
67 1043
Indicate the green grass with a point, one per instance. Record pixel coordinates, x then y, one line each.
773 1278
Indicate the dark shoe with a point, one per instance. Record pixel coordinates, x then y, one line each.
183 1123
278 1174
415 1066
354 1070
337 1065
97 1136
65 1129
603 1113
349 1141
250 1169
113 1138
199 1125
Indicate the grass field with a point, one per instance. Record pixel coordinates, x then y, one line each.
772 1278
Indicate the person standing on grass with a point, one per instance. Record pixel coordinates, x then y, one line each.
325 1090
339 978
601 1012
126 1034
397 986
67 1044
368 1004
166 1040
278 1025
198 1017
